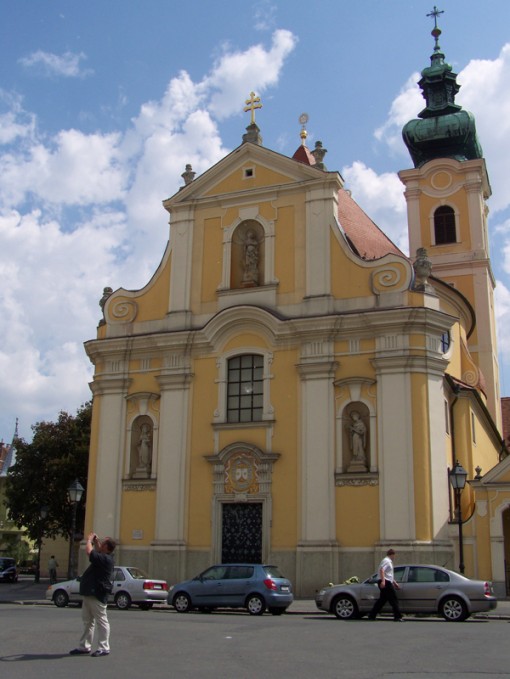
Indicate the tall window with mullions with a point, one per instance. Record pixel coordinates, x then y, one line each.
245 388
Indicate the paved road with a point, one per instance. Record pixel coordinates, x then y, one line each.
35 641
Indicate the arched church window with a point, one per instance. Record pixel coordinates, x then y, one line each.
245 388
444 225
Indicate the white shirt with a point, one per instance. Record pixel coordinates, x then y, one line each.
386 566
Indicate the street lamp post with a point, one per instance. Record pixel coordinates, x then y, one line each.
74 493
43 513
458 476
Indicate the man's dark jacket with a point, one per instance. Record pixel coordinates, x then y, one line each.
97 579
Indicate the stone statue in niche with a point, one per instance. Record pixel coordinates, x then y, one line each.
144 450
358 443
250 260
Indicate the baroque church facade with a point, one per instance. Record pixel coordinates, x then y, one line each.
290 387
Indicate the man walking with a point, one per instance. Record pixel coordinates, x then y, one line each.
387 587
52 569
95 586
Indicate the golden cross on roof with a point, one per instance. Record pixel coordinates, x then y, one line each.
251 104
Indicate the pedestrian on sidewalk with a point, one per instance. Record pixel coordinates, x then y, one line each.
95 586
387 587
52 569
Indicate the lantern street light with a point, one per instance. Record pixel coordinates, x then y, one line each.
458 476
74 493
43 513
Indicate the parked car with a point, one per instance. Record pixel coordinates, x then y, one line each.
130 586
8 571
251 586
423 589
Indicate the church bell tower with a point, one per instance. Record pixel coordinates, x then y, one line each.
446 195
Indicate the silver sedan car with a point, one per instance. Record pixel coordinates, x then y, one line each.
130 586
423 589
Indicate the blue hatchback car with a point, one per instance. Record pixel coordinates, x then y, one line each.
256 587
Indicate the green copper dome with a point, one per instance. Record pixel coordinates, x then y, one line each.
443 129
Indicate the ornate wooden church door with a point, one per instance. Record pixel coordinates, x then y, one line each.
241 535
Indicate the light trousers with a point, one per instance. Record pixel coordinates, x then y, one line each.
93 614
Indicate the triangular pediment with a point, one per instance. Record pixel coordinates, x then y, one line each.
246 168
499 474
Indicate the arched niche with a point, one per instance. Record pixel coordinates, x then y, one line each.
247 255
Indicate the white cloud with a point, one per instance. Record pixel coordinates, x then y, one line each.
67 65
256 68
381 197
74 169
406 105
265 15
99 219
502 307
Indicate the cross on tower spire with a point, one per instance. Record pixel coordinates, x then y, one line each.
436 32
252 103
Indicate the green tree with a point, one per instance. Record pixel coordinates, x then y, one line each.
44 469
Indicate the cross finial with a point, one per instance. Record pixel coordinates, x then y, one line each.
435 13
436 32
251 104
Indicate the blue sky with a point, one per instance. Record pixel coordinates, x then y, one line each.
103 103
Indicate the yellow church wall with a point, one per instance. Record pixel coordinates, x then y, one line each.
204 399
481 528
137 518
210 258
152 301
284 398
421 458
143 381
357 515
347 278
244 340
236 181
428 203
285 245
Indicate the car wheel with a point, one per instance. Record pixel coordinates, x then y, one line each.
60 598
181 602
255 604
145 606
276 611
123 601
453 609
344 607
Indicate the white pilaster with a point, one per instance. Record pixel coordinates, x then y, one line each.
173 455
317 511
181 238
321 207
395 446
110 393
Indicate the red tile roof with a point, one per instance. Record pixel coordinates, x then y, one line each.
304 156
367 238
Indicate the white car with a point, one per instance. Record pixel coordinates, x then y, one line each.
130 586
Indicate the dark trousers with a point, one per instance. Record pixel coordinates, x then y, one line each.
387 594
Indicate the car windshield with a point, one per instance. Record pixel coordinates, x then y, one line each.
136 573
5 563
